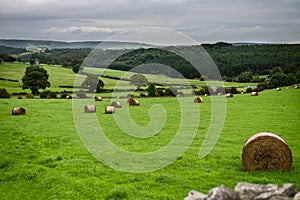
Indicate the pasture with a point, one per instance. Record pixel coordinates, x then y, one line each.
42 156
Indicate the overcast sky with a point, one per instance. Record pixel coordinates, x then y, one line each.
202 20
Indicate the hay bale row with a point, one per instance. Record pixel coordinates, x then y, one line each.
266 151
98 98
228 95
133 102
89 109
198 100
254 93
18 111
116 104
109 109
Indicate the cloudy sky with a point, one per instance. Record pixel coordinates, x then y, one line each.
202 20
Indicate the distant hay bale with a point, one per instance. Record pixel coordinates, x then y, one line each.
266 151
116 104
98 98
278 89
206 95
89 109
242 92
296 87
68 97
228 95
109 110
133 102
20 97
254 93
198 100
18 111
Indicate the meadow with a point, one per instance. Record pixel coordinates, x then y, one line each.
42 156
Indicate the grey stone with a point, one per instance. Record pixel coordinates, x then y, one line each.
248 191
221 193
194 195
287 190
297 196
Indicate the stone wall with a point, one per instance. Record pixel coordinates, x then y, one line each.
248 191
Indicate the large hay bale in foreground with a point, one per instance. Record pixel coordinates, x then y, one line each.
89 109
18 111
109 110
198 100
133 102
116 104
254 93
266 151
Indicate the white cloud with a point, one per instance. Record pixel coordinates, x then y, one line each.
88 29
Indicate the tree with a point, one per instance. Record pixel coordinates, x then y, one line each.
278 80
297 76
76 68
151 90
35 78
245 77
92 82
138 80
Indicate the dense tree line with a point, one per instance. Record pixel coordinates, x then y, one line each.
236 63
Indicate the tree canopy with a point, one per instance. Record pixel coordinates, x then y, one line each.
35 78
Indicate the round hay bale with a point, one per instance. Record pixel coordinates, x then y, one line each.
89 109
20 97
116 104
254 93
133 102
68 97
278 89
109 109
98 98
228 95
198 100
296 87
18 111
266 151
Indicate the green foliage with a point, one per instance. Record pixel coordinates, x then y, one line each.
245 77
48 94
29 96
151 90
100 85
172 91
4 93
262 86
278 79
249 90
291 79
64 95
76 68
35 78
297 76
138 80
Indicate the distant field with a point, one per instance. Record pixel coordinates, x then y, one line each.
59 76
42 156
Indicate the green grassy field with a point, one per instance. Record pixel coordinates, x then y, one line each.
59 76
42 156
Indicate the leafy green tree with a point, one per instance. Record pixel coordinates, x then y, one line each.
291 79
4 93
297 76
138 80
245 77
278 80
92 82
76 68
35 78
151 90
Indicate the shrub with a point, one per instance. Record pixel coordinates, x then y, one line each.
171 92
151 90
29 96
249 90
52 95
160 92
4 93
44 94
262 86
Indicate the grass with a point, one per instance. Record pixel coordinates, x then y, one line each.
42 156
59 76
